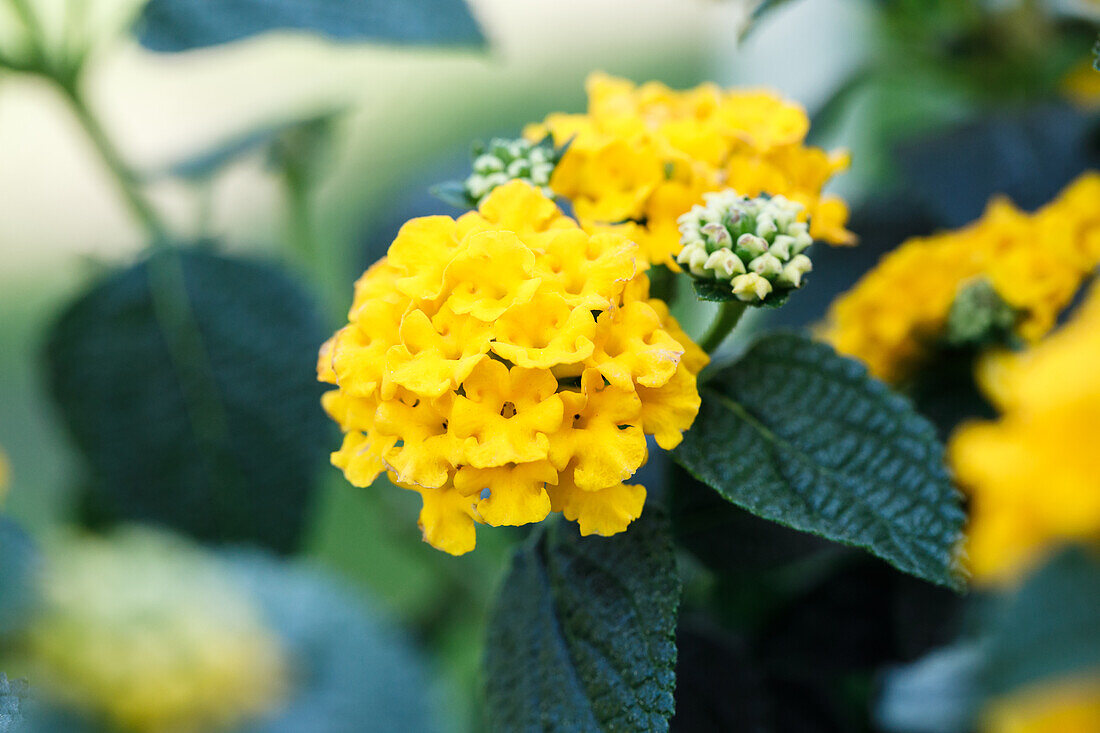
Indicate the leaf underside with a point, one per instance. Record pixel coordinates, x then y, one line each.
182 25
796 434
582 637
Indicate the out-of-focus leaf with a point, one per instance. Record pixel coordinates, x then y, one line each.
794 433
353 671
1050 628
935 694
182 25
18 563
582 635
1028 157
206 164
188 383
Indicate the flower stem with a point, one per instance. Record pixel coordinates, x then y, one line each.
729 313
127 182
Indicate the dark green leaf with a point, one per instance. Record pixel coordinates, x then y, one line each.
582 637
182 25
188 382
18 561
795 433
1051 627
728 539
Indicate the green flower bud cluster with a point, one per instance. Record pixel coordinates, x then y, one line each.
980 317
508 160
755 244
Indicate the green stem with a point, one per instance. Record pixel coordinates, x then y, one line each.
127 181
729 313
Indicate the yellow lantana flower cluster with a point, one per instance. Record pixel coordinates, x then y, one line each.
1035 262
505 365
1031 475
149 634
1062 707
643 155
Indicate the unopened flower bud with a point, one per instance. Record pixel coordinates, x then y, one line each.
767 265
506 160
754 244
751 287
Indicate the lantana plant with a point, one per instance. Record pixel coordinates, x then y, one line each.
514 362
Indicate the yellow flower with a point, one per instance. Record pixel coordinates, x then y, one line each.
643 155
5 477
149 633
506 365
1032 487
1063 707
1035 262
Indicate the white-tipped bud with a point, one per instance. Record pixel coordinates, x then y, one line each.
767 265
717 235
794 270
750 287
781 246
724 264
765 226
751 246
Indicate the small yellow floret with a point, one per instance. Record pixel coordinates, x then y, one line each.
505 365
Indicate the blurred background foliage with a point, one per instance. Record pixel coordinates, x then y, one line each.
288 160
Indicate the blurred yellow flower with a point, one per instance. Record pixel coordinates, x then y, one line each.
5 477
1035 262
506 365
1082 84
1030 474
1065 707
147 632
643 155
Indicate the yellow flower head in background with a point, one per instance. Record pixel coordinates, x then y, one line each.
646 154
1062 707
1032 475
505 365
5 477
1035 262
147 632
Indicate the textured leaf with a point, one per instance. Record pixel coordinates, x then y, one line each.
181 25
188 382
18 560
11 694
1051 627
795 433
582 636
728 539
